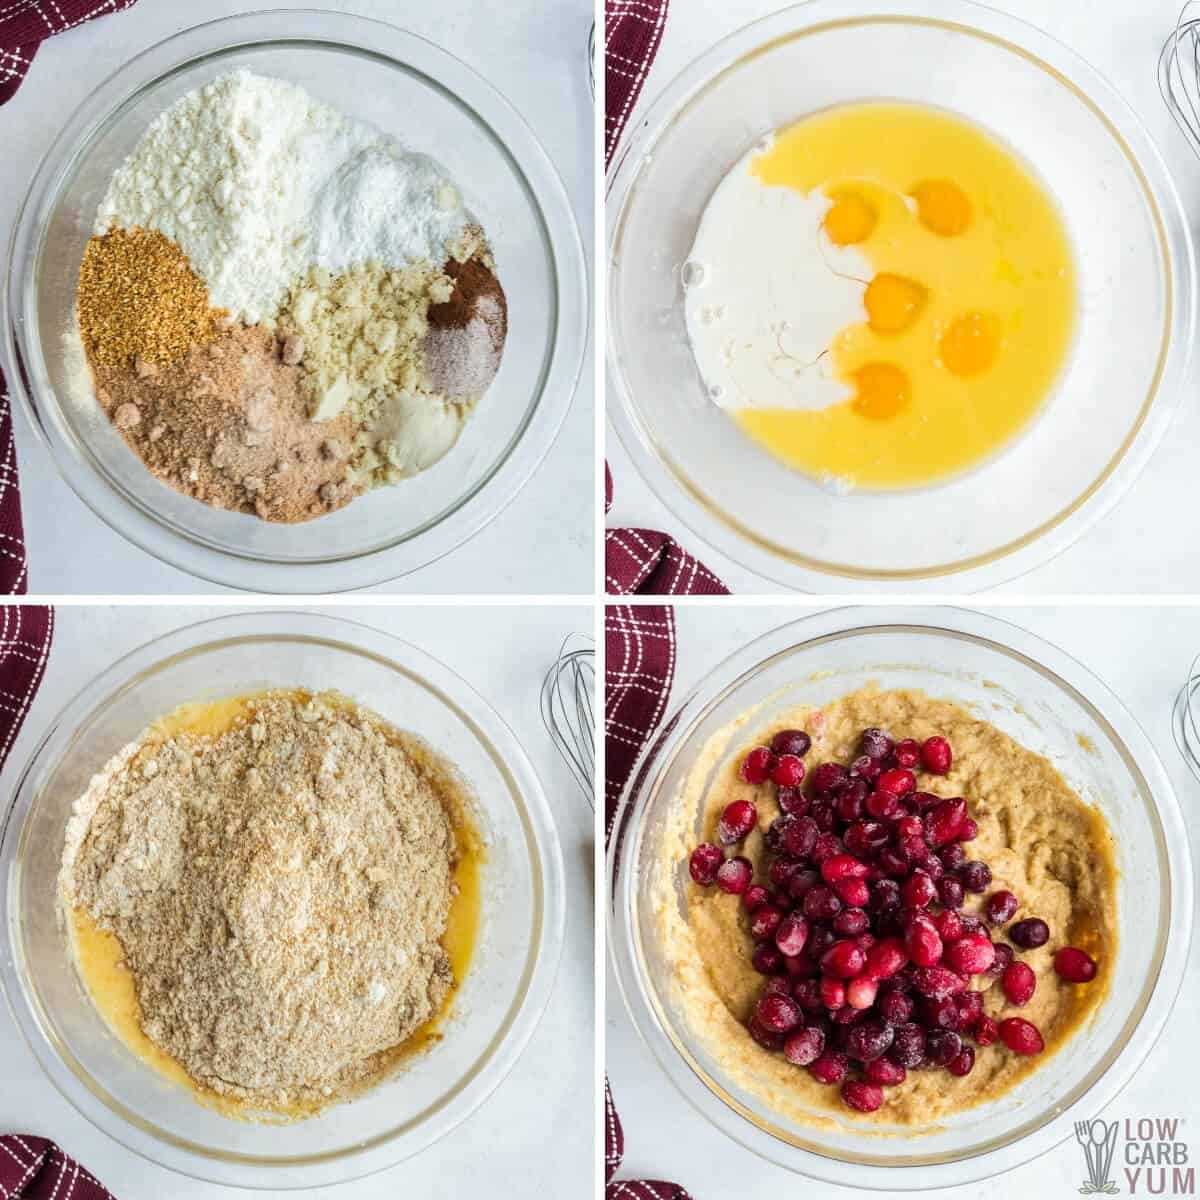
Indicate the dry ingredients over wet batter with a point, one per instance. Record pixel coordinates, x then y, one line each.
1040 840
280 891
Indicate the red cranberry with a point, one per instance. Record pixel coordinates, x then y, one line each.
764 920
883 806
886 958
826 778
971 923
918 889
846 1016
801 883
875 743
833 992
829 1068
944 821
895 1007
885 895
793 800
948 924
951 892
922 942
908 1046
703 865
808 995
907 754
764 1037
843 959
791 741
868 1040
734 875
757 765
1019 983
922 802
1021 1036
861 992
975 876
766 959
820 904
932 866
1004 955
987 1030
938 981
864 837
782 867
791 934
937 756
940 1013
885 1072
969 830
963 1063
854 892
848 804
952 856
862 1096
970 1008
898 781
842 866
798 966
826 846
942 1047
972 954
824 815
788 771
1074 965
850 922
804 1046
738 819
797 835
777 985
755 896
866 768
1030 933
820 939
778 1013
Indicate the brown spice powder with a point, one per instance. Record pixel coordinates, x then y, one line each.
139 297
467 332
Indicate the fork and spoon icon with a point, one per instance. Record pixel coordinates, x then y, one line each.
1099 1141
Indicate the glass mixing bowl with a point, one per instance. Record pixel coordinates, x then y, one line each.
493 1014
1049 703
1136 284
428 100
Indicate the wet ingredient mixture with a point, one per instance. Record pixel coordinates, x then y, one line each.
352 296
267 896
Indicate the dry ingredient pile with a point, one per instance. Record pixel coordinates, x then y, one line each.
282 307
279 892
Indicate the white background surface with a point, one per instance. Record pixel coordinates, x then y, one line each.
534 1135
1143 655
1145 533
535 53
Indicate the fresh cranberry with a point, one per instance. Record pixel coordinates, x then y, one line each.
970 1008
937 756
704 863
951 892
820 904
830 1067
797 835
932 866
1019 983
908 754
922 942
850 922
824 815
844 960
944 821
875 743
808 995
791 934
885 896
861 992
764 1037
804 1046
941 1013
908 1045
788 771
793 800
782 867
975 876
971 923
848 803
865 837
764 920
843 866
791 741
972 954
952 856
891 863
868 1040
801 883
778 1013
895 1007
883 806
938 981
846 1016
827 777
757 765
943 1046
1021 1036
1004 955
884 1071
987 1030
826 846
922 802
734 875
918 889
738 819
755 896
820 939
1030 933
898 781
797 966
777 985
833 992
766 959
886 958
963 1063
855 892
866 768
948 924
1074 965
862 1096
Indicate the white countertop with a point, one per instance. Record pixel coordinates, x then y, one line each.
1121 38
534 1135
535 53
1143 655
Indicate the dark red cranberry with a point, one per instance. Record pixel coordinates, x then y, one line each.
971 923
922 802
865 837
875 743
1021 1036
797 835
1004 955
703 865
833 993
891 863
788 771
782 867
820 939
885 896
942 1047
846 1016
936 755
821 904
869 1039
826 846
764 920
778 1013
963 1063
908 1045
791 741
1001 907
951 892
866 768
830 1067
843 866
885 1072
1019 983
886 958
922 942
827 777
755 896
970 1008
764 1037
738 819
969 830
948 924
850 922
804 1046
883 806
757 765
734 875
898 782
793 800
943 822
895 1007
918 889
1030 933
791 934
952 856
855 892
907 754
1075 965
766 959
987 1030
940 1013
848 803
844 959
801 883
808 995
937 981
798 966
976 876
862 1096
972 954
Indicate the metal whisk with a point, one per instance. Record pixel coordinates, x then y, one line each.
1185 725
1179 73
567 709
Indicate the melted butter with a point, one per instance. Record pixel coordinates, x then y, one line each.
100 958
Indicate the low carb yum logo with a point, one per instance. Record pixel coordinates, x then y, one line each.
1146 1153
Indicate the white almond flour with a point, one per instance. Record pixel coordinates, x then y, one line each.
256 180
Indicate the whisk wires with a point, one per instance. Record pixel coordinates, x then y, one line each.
568 711
1179 73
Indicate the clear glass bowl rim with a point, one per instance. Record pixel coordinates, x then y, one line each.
503 123
1085 689
686 499
536 818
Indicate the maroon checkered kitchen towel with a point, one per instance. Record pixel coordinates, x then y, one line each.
31 1168
632 32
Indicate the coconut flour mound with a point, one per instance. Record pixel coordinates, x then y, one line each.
279 892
